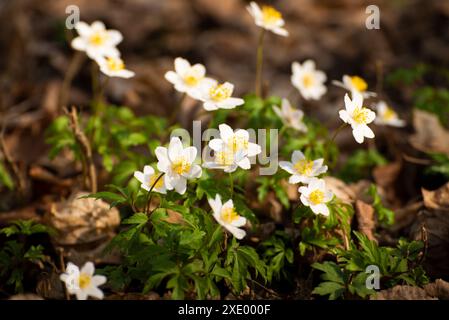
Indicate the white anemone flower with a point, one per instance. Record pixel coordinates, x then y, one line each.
387 116
148 178
268 18
291 117
358 117
355 84
83 283
95 40
227 217
301 169
308 80
235 142
228 160
177 164
218 96
188 78
113 67
315 195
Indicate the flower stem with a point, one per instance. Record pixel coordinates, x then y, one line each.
231 184
149 196
331 141
177 109
259 63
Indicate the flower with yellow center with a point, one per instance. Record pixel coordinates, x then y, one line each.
83 283
290 116
387 116
113 67
355 84
218 96
228 160
315 195
187 78
308 80
358 117
148 178
302 170
96 40
226 215
178 165
268 18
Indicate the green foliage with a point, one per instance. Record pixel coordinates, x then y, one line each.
385 216
318 231
5 178
359 165
440 165
278 255
347 277
17 256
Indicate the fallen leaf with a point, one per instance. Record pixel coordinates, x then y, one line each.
365 217
438 199
430 135
402 293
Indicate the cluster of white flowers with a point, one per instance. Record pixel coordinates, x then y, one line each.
314 194
100 45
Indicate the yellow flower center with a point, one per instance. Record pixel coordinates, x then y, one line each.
304 167
115 64
389 114
191 79
360 115
229 215
270 15
159 184
316 197
237 143
224 158
307 80
181 166
220 92
359 84
84 281
98 38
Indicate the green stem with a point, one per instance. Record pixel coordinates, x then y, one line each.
177 109
331 141
231 184
259 63
149 196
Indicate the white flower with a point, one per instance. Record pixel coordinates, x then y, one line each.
268 18
302 169
187 78
387 116
113 67
308 80
177 163
226 216
355 84
236 143
148 178
218 96
358 117
315 195
95 40
291 117
228 160
83 283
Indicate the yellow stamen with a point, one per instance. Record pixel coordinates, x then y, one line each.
220 92
159 184
224 158
229 215
237 143
304 167
84 280
191 79
360 115
307 80
181 166
316 197
98 38
270 15
115 64
359 84
389 114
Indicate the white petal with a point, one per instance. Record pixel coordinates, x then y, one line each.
175 149
181 66
297 155
95 292
181 185
253 149
226 132
244 164
88 268
98 280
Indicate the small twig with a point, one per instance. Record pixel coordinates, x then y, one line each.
85 147
147 207
259 63
75 64
62 266
266 289
411 159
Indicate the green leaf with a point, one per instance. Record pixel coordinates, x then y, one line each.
333 289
